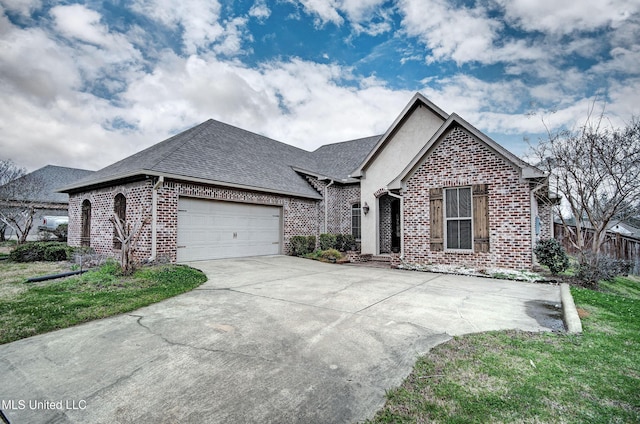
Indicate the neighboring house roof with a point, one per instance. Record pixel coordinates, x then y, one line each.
528 171
624 228
48 179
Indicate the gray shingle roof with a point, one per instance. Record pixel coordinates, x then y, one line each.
48 179
339 160
221 153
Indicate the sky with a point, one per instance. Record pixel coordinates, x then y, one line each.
84 84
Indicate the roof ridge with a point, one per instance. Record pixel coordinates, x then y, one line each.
192 132
347 141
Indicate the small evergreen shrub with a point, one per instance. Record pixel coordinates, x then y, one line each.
551 254
311 243
328 241
345 242
302 245
41 251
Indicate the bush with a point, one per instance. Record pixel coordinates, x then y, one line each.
302 245
345 242
604 268
61 232
551 254
328 241
41 251
331 255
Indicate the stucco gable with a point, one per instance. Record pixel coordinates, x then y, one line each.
526 171
417 101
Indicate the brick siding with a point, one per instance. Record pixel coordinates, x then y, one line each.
462 160
300 216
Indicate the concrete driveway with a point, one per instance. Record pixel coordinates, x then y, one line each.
266 339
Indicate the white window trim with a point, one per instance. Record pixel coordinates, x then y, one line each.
446 220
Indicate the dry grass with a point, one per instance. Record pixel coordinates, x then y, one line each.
14 274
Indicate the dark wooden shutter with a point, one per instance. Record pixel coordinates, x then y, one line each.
481 218
435 213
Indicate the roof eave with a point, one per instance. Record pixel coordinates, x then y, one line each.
141 174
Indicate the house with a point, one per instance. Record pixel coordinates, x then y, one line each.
38 189
431 189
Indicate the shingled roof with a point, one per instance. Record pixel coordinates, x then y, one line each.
48 179
218 153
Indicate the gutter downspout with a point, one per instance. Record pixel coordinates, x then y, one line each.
397 196
154 217
533 219
326 205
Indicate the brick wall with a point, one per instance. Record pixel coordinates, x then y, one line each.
300 216
138 197
461 160
340 198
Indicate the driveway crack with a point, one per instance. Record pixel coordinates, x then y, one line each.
188 346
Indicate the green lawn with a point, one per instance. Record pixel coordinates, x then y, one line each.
513 376
27 309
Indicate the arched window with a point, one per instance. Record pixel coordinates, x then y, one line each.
85 224
119 210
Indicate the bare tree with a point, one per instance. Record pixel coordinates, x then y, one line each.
128 234
596 171
18 199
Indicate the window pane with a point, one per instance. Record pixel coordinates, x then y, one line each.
464 197
452 202
465 234
355 220
453 241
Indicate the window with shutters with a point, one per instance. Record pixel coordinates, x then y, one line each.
458 219
119 210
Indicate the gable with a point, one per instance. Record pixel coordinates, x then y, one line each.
419 120
461 159
523 169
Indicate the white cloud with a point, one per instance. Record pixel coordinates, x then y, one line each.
462 34
34 66
198 19
233 37
325 11
22 7
564 17
260 10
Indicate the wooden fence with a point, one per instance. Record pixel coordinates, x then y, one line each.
616 245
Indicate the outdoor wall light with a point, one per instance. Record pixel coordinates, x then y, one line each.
365 208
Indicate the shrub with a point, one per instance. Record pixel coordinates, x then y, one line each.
327 241
311 243
551 254
61 232
604 268
41 251
331 254
302 245
345 242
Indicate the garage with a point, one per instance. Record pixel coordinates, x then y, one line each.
211 229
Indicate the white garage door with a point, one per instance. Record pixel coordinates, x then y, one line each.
209 229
